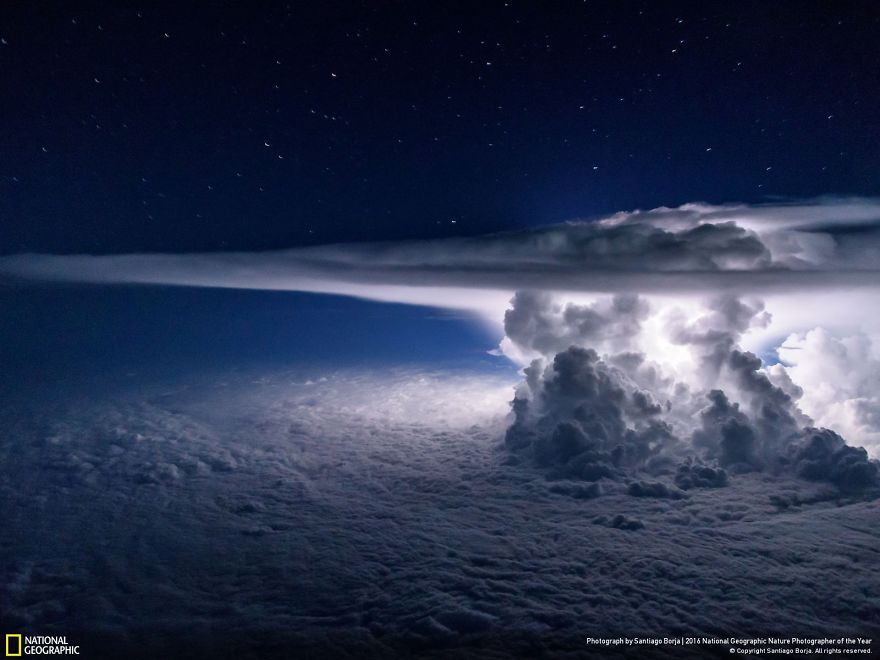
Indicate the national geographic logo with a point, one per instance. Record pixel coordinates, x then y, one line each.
18 645
13 645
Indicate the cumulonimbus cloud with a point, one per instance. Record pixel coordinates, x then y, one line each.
594 406
809 255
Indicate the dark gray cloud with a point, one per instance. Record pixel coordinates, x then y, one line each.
822 455
652 489
536 322
584 418
695 475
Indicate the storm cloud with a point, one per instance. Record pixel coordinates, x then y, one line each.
592 406
616 380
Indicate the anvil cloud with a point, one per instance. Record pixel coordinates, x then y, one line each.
819 244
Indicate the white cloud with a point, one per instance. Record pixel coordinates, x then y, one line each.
840 379
824 244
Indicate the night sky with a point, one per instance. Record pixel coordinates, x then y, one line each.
229 126
440 329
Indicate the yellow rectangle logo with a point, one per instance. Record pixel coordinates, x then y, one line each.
13 645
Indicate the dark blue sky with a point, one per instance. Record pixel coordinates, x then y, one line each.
215 126
80 335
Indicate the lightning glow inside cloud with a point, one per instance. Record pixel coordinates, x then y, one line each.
671 305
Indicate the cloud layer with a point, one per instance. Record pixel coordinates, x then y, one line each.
692 248
359 514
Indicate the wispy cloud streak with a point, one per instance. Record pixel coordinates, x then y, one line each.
692 248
